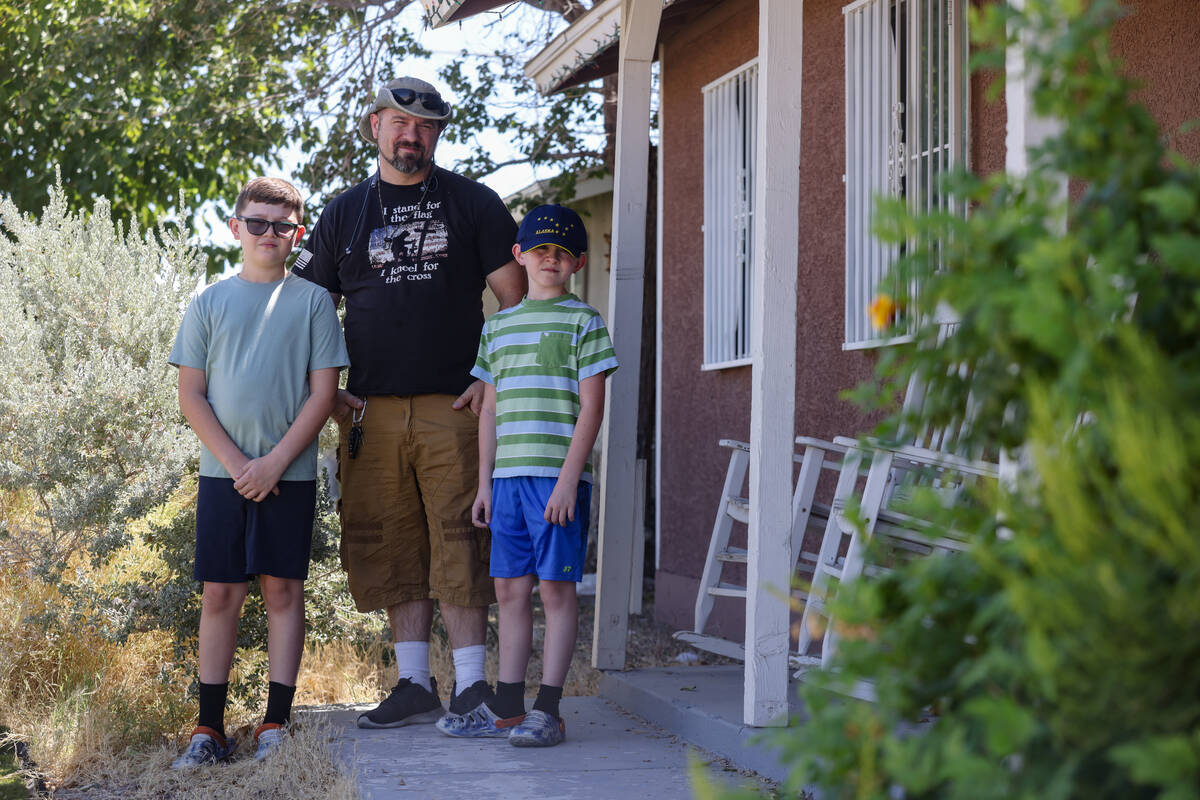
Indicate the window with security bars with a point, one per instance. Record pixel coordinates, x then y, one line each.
906 111
730 132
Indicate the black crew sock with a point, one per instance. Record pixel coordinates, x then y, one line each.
212 706
279 703
509 700
547 700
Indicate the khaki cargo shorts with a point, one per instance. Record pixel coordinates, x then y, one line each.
406 505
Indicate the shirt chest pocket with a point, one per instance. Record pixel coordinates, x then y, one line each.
554 349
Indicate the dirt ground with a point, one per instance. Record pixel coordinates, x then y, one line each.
650 644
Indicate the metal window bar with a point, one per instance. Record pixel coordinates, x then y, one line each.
906 100
730 142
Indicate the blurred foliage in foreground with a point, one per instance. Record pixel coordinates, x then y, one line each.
1056 658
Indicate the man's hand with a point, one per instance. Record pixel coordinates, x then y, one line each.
259 478
472 397
481 509
343 404
560 508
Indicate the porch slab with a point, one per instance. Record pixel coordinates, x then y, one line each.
703 706
608 753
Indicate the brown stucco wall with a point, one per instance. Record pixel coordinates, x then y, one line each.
699 407
1159 44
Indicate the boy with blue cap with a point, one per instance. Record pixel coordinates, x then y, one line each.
543 363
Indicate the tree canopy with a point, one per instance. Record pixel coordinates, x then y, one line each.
145 102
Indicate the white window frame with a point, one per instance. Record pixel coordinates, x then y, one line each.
730 144
894 99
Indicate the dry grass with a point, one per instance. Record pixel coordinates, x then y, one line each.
302 769
104 719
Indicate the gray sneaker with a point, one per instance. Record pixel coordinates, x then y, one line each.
538 730
408 704
204 749
478 723
268 736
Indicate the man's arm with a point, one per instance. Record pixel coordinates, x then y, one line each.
259 477
481 510
560 508
508 284
193 402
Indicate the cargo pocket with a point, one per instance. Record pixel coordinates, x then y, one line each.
554 349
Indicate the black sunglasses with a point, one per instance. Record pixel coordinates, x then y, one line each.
257 227
430 101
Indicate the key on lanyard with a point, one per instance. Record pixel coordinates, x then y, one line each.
355 439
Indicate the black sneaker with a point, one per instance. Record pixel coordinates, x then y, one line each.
471 697
408 704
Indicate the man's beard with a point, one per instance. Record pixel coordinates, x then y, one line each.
406 163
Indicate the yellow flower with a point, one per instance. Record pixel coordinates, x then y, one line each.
882 312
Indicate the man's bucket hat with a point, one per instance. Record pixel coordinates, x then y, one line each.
410 95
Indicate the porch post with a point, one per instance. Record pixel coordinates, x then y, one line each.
773 351
639 31
1025 130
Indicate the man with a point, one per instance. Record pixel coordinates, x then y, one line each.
410 249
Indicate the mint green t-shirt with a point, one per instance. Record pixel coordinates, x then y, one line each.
535 354
257 343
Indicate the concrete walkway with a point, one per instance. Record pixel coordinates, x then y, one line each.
703 705
607 754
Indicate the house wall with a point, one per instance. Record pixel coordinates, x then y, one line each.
1159 44
591 283
1157 41
700 407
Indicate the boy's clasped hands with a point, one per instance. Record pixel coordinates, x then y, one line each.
259 477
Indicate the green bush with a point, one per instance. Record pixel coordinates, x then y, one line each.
1056 658
97 464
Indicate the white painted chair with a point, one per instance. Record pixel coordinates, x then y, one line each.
893 473
816 455
844 456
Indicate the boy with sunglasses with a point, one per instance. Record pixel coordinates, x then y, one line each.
258 355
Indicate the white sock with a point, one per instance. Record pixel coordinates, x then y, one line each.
412 662
468 665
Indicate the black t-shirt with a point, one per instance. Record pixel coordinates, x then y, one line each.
414 285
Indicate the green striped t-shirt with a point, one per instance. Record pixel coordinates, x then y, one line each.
535 354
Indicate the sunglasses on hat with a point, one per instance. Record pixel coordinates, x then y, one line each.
257 227
430 101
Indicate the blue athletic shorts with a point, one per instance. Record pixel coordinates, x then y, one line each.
523 543
237 538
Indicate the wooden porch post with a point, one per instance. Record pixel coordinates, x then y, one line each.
1025 130
639 31
773 350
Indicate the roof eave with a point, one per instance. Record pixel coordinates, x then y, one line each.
578 55
443 12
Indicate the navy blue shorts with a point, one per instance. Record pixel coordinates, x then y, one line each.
237 538
523 543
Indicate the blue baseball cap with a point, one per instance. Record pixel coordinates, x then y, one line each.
553 224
